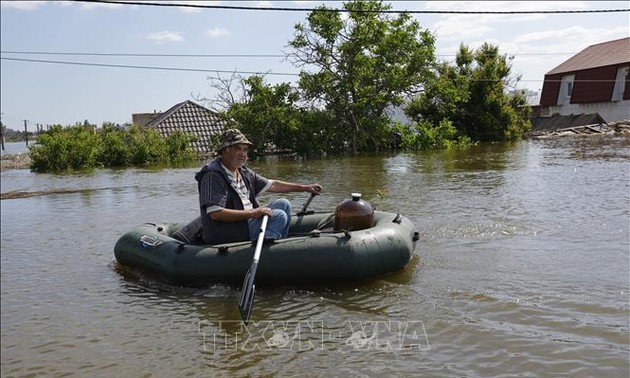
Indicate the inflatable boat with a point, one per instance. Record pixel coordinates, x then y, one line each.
312 253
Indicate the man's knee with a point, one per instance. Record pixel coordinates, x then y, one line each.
281 204
279 216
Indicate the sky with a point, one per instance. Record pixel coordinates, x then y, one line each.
156 47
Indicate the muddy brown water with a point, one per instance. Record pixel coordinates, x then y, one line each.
522 269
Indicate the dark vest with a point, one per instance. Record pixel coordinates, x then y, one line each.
215 232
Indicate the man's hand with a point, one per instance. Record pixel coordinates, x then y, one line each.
314 188
261 211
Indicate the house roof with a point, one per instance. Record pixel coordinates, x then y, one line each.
193 119
558 122
598 55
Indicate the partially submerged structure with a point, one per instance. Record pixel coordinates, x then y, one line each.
188 117
595 81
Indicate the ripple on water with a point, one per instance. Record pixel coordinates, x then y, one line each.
521 270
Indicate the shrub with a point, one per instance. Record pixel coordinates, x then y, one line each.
80 147
113 151
178 145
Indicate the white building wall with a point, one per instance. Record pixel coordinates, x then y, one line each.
609 111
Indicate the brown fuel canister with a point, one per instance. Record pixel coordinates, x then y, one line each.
354 214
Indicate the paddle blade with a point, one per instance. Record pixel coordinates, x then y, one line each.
246 299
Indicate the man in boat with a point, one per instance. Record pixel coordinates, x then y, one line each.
228 192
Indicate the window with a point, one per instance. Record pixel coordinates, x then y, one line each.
566 88
620 84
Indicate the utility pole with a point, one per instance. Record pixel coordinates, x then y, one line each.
1 132
25 133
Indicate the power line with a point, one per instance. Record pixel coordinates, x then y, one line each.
250 8
146 67
225 71
212 55
146 55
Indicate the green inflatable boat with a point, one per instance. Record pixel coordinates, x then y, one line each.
313 252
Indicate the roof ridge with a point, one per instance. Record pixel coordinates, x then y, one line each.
168 113
602 54
611 41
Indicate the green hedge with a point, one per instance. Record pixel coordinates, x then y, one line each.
83 147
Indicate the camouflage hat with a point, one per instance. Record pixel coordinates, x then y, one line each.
231 137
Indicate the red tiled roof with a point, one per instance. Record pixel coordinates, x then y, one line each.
599 55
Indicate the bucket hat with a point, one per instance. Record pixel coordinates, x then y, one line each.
231 137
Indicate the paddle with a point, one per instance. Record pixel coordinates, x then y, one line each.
246 298
308 202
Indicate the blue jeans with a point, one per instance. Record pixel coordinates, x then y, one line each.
278 223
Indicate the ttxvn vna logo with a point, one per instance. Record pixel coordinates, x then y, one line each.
313 335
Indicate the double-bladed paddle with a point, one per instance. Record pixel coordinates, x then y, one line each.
246 298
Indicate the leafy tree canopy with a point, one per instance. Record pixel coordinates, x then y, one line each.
267 114
473 95
357 66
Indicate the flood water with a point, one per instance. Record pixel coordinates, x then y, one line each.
522 269
14 148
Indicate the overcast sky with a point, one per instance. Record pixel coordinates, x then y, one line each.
53 93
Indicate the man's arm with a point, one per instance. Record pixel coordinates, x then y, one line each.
231 215
286 187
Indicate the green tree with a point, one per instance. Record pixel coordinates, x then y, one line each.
61 149
146 146
268 115
361 66
84 147
51 153
473 95
273 116
318 133
113 151
178 146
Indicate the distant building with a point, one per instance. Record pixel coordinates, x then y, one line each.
141 119
188 117
594 81
532 98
